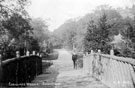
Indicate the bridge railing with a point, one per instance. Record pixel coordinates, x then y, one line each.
20 70
115 72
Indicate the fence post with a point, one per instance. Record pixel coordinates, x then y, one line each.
84 63
17 68
99 51
90 63
33 52
37 54
112 52
86 53
40 55
27 53
17 54
91 52
98 62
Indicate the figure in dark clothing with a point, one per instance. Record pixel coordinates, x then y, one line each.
74 58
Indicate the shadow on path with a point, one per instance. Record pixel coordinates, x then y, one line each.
47 79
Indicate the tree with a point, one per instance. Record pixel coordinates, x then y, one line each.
129 38
19 34
40 31
17 26
10 7
66 34
97 36
104 34
90 42
109 11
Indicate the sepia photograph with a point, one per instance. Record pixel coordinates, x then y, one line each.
67 43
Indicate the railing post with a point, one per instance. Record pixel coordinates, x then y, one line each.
17 67
98 63
99 51
91 52
86 53
17 54
33 52
37 54
90 63
84 62
27 53
112 52
40 55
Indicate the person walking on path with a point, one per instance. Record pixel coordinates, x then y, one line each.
74 58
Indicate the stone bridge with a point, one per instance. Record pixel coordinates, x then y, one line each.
99 71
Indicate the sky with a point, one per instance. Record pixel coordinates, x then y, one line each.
56 12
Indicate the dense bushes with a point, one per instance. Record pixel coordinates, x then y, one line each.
51 56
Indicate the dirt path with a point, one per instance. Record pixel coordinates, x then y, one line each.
62 75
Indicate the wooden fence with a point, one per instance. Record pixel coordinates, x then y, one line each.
115 72
20 70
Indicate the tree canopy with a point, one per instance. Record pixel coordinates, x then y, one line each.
18 31
97 31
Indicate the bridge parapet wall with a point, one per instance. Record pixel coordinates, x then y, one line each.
116 72
20 70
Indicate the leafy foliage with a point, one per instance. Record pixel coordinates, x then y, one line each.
91 38
66 34
17 26
40 32
19 32
79 27
18 35
97 36
10 7
11 25
129 38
